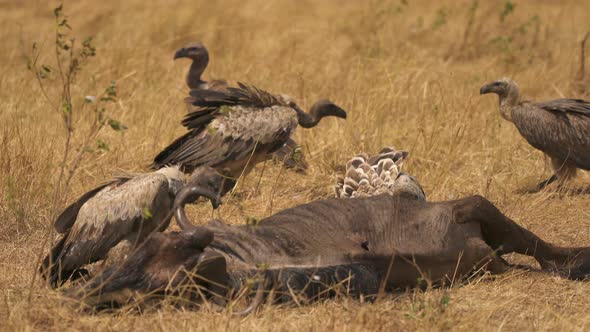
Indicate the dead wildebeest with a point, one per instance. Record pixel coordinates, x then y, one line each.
380 243
382 240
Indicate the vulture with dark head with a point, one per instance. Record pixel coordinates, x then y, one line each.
290 153
234 130
560 127
122 213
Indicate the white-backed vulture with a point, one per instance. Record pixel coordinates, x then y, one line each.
378 174
560 128
234 130
124 210
290 153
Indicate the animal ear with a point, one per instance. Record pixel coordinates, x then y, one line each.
212 272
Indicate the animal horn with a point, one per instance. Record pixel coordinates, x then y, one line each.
190 192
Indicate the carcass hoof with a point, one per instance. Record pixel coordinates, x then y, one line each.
579 273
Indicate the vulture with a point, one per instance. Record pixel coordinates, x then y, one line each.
120 213
560 127
290 153
378 174
234 130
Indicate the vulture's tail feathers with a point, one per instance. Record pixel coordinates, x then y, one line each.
51 266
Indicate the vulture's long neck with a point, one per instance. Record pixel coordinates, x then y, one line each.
306 120
193 78
507 103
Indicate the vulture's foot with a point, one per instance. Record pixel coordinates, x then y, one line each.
299 166
292 157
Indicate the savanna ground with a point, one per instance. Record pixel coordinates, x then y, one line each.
408 72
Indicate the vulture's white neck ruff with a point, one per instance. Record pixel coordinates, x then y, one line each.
172 173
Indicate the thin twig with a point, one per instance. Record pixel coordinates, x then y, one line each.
582 72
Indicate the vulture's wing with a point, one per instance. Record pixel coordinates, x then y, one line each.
560 128
378 174
206 104
229 126
575 106
66 219
230 142
249 95
113 214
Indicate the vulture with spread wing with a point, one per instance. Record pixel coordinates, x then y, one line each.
290 153
379 174
233 130
123 211
560 128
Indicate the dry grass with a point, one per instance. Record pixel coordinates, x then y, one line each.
409 75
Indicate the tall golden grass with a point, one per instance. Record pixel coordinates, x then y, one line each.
408 72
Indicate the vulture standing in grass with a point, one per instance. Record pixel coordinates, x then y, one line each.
234 130
560 128
290 153
379 174
120 213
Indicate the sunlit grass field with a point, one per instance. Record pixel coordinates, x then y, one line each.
407 72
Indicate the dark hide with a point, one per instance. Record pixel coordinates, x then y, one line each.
361 245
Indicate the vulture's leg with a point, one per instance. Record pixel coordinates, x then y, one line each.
505 236
228 185
291 156
564 170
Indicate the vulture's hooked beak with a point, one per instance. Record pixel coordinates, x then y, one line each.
485 89
339 112
332 109
181 53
